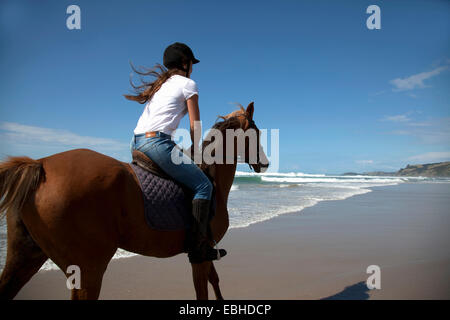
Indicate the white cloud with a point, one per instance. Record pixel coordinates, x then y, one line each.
434 131
430 157
401 132
20 133
19 138
415 81
419 124
378 93
364 162
397 118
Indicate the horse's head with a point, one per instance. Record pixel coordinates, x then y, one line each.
245 129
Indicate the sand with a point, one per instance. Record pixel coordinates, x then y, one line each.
318 253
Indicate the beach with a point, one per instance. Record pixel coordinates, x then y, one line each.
320 252
323 125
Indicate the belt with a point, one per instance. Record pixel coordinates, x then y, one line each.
151 134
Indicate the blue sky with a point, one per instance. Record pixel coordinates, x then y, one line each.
345 98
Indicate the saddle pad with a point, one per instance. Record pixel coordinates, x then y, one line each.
166 205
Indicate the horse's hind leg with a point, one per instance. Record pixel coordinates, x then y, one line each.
24 258
213 278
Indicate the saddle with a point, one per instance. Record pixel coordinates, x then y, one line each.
141 159
167 203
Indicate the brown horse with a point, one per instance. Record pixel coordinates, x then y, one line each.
78 207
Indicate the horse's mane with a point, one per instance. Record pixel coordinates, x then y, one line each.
229 121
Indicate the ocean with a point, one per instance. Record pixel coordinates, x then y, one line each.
258 197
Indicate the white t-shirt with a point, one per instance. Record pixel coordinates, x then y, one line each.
167 106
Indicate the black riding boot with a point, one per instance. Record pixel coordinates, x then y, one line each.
200 249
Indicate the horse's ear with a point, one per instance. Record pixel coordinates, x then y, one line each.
250 110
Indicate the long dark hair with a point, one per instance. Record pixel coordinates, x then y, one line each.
146 90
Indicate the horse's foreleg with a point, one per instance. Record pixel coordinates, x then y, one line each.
213 278
91 283
200 274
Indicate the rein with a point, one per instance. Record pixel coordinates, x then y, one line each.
252 125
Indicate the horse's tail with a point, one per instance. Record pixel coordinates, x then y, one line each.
19 176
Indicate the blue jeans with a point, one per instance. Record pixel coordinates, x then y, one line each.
159 149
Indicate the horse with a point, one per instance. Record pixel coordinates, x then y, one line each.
79 206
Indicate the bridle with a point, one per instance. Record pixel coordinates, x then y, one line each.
252 125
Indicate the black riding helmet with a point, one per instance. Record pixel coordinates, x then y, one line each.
178 54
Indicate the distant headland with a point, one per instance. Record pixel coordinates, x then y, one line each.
439 169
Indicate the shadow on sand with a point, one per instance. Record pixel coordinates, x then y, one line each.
358 291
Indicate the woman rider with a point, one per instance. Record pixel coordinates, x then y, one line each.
167 100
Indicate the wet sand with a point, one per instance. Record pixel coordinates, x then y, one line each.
320 252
